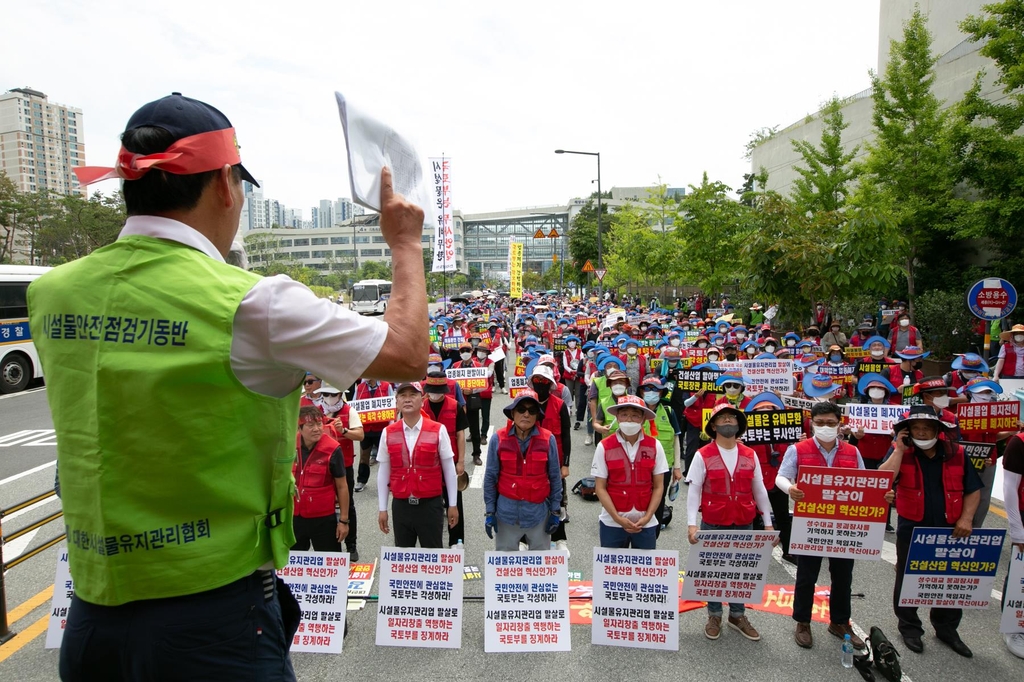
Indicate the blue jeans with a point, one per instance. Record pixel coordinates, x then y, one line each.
615 537
715 607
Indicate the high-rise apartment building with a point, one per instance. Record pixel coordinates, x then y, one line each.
40 142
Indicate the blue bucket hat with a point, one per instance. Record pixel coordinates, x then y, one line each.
818 385
874 379
768 398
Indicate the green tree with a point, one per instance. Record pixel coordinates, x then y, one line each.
827 169
583 238
709 236
634 248
8 216
373 269
908 172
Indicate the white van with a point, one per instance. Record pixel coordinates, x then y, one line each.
19 363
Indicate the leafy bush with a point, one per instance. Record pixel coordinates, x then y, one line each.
945 323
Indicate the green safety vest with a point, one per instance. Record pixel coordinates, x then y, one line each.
666 434
605 398
176 478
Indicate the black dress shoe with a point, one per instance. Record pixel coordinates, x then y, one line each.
957 645
914 644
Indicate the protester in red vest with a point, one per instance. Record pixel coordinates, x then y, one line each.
982 390
727 487
824 449
346 428
441 407
309 386
556 420
415 464
319 472
903 334
481 359
522 491
474 401
1010 364
368 447
769 457
628 470
1013 500
926 460
909 370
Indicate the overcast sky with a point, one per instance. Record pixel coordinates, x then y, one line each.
669 89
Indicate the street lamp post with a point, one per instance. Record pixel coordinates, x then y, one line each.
598 155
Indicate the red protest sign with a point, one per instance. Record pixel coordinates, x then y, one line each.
988 417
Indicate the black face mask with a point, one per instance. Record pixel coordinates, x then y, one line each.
730 356
543 391
917 364
727 430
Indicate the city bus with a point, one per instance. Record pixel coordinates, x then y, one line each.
370 296
19 363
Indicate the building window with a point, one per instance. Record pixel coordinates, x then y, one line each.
300 255
322 254
318 241
363 240
379 239
387 252
426 238
345 253
301 242
339 240
284 242
371 253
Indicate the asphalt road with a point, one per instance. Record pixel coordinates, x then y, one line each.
26 469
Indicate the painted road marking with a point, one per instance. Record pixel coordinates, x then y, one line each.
16 643
28 472
25 437
477 479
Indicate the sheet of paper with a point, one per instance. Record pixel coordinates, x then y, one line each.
373 145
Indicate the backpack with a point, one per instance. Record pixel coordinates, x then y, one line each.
885 656
586 488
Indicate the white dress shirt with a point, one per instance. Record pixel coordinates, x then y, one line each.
412 434
599 469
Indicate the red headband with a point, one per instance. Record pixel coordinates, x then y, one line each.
310 419
187 156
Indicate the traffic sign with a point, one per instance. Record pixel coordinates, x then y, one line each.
992 299
539 234
588 267
553 234
554 258
600 272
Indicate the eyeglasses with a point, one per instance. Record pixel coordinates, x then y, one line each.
531 410
310 382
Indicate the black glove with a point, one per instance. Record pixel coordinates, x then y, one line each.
554 519
489 525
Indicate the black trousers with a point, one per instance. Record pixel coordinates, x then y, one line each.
873 464
780 514
367 448
659 513
581 401
241 631
350 539
474 428
559 533
690 446
319 531
485 419
423 522
807 569
458 531
499 373
945 621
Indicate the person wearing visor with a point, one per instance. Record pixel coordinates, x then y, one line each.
346 428
617 386
824 449
1010 362
908 371
727 488
665 427
441 407
475 396
964 368
310 384
769 457
417 468
223 350
733 385
982 390
628 471
522 481
319 472
936 487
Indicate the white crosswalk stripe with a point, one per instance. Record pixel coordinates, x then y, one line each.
477 479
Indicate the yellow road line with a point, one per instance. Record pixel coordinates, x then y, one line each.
24 609
997 510
16 643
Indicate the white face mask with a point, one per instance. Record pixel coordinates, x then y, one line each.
570 344
876 393
732 391
983 397
751 352
618 390
564 327
790 342
925 444
482 354
465 356
941 401
769 348
630 428
877 353
740 336
591 354
331 398
969 375
826 434
652 397
712 357
435 397
674 343
719 343
631 350
1018 339
904 323
702 344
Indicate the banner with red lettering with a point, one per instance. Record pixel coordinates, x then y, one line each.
842 513
319 582
729 566
988 417
526 601
634 600
420 598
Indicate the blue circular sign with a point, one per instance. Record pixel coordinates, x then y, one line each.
992 299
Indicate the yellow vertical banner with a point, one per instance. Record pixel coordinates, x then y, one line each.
515 269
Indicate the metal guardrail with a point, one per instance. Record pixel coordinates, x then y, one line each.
5 632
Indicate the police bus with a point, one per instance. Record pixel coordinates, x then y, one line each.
19 363
370 296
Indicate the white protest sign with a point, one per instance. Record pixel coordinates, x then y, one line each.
768 375
729 566
63 590
874 418
375 409
634 598
526 602
469 378
420 603
1013 598
842 513
319 582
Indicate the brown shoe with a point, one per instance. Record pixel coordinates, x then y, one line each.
803 636
713 628
840 630
743 626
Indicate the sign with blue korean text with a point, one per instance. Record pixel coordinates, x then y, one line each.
526 602
319 582
947 572
992 299
635 602
420 601
63 590
14 331
729 566
842 512
1013 599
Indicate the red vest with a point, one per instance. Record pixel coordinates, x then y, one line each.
488 392
336 425
553 422
808 455
695 413
1009 362
873 446
449 411
728 500
364 392
764 455
418 474
896 378
524 478
910 486
630 484
304 401
911 337
315 496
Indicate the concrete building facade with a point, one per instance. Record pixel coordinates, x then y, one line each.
40 142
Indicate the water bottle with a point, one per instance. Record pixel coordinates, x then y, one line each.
458 545
847 657
673 491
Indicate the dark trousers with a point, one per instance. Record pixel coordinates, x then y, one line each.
659 513
458 531
690 446
241 631
617 538
945 621
350 539
474 428
499 373
319 531
485 419
581 401
807 569
783 522
423 522
559 533
873 464
367 448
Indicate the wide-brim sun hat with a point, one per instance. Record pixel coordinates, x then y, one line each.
630 401
719 409
524 394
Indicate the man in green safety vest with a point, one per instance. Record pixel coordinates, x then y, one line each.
664 427
174 383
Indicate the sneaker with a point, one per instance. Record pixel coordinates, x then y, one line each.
563 514
589 440
803 636
577 427
841 630
562 546
523 547
889 528
353 555
713 628
373 461
1015 643
741 625
358 487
